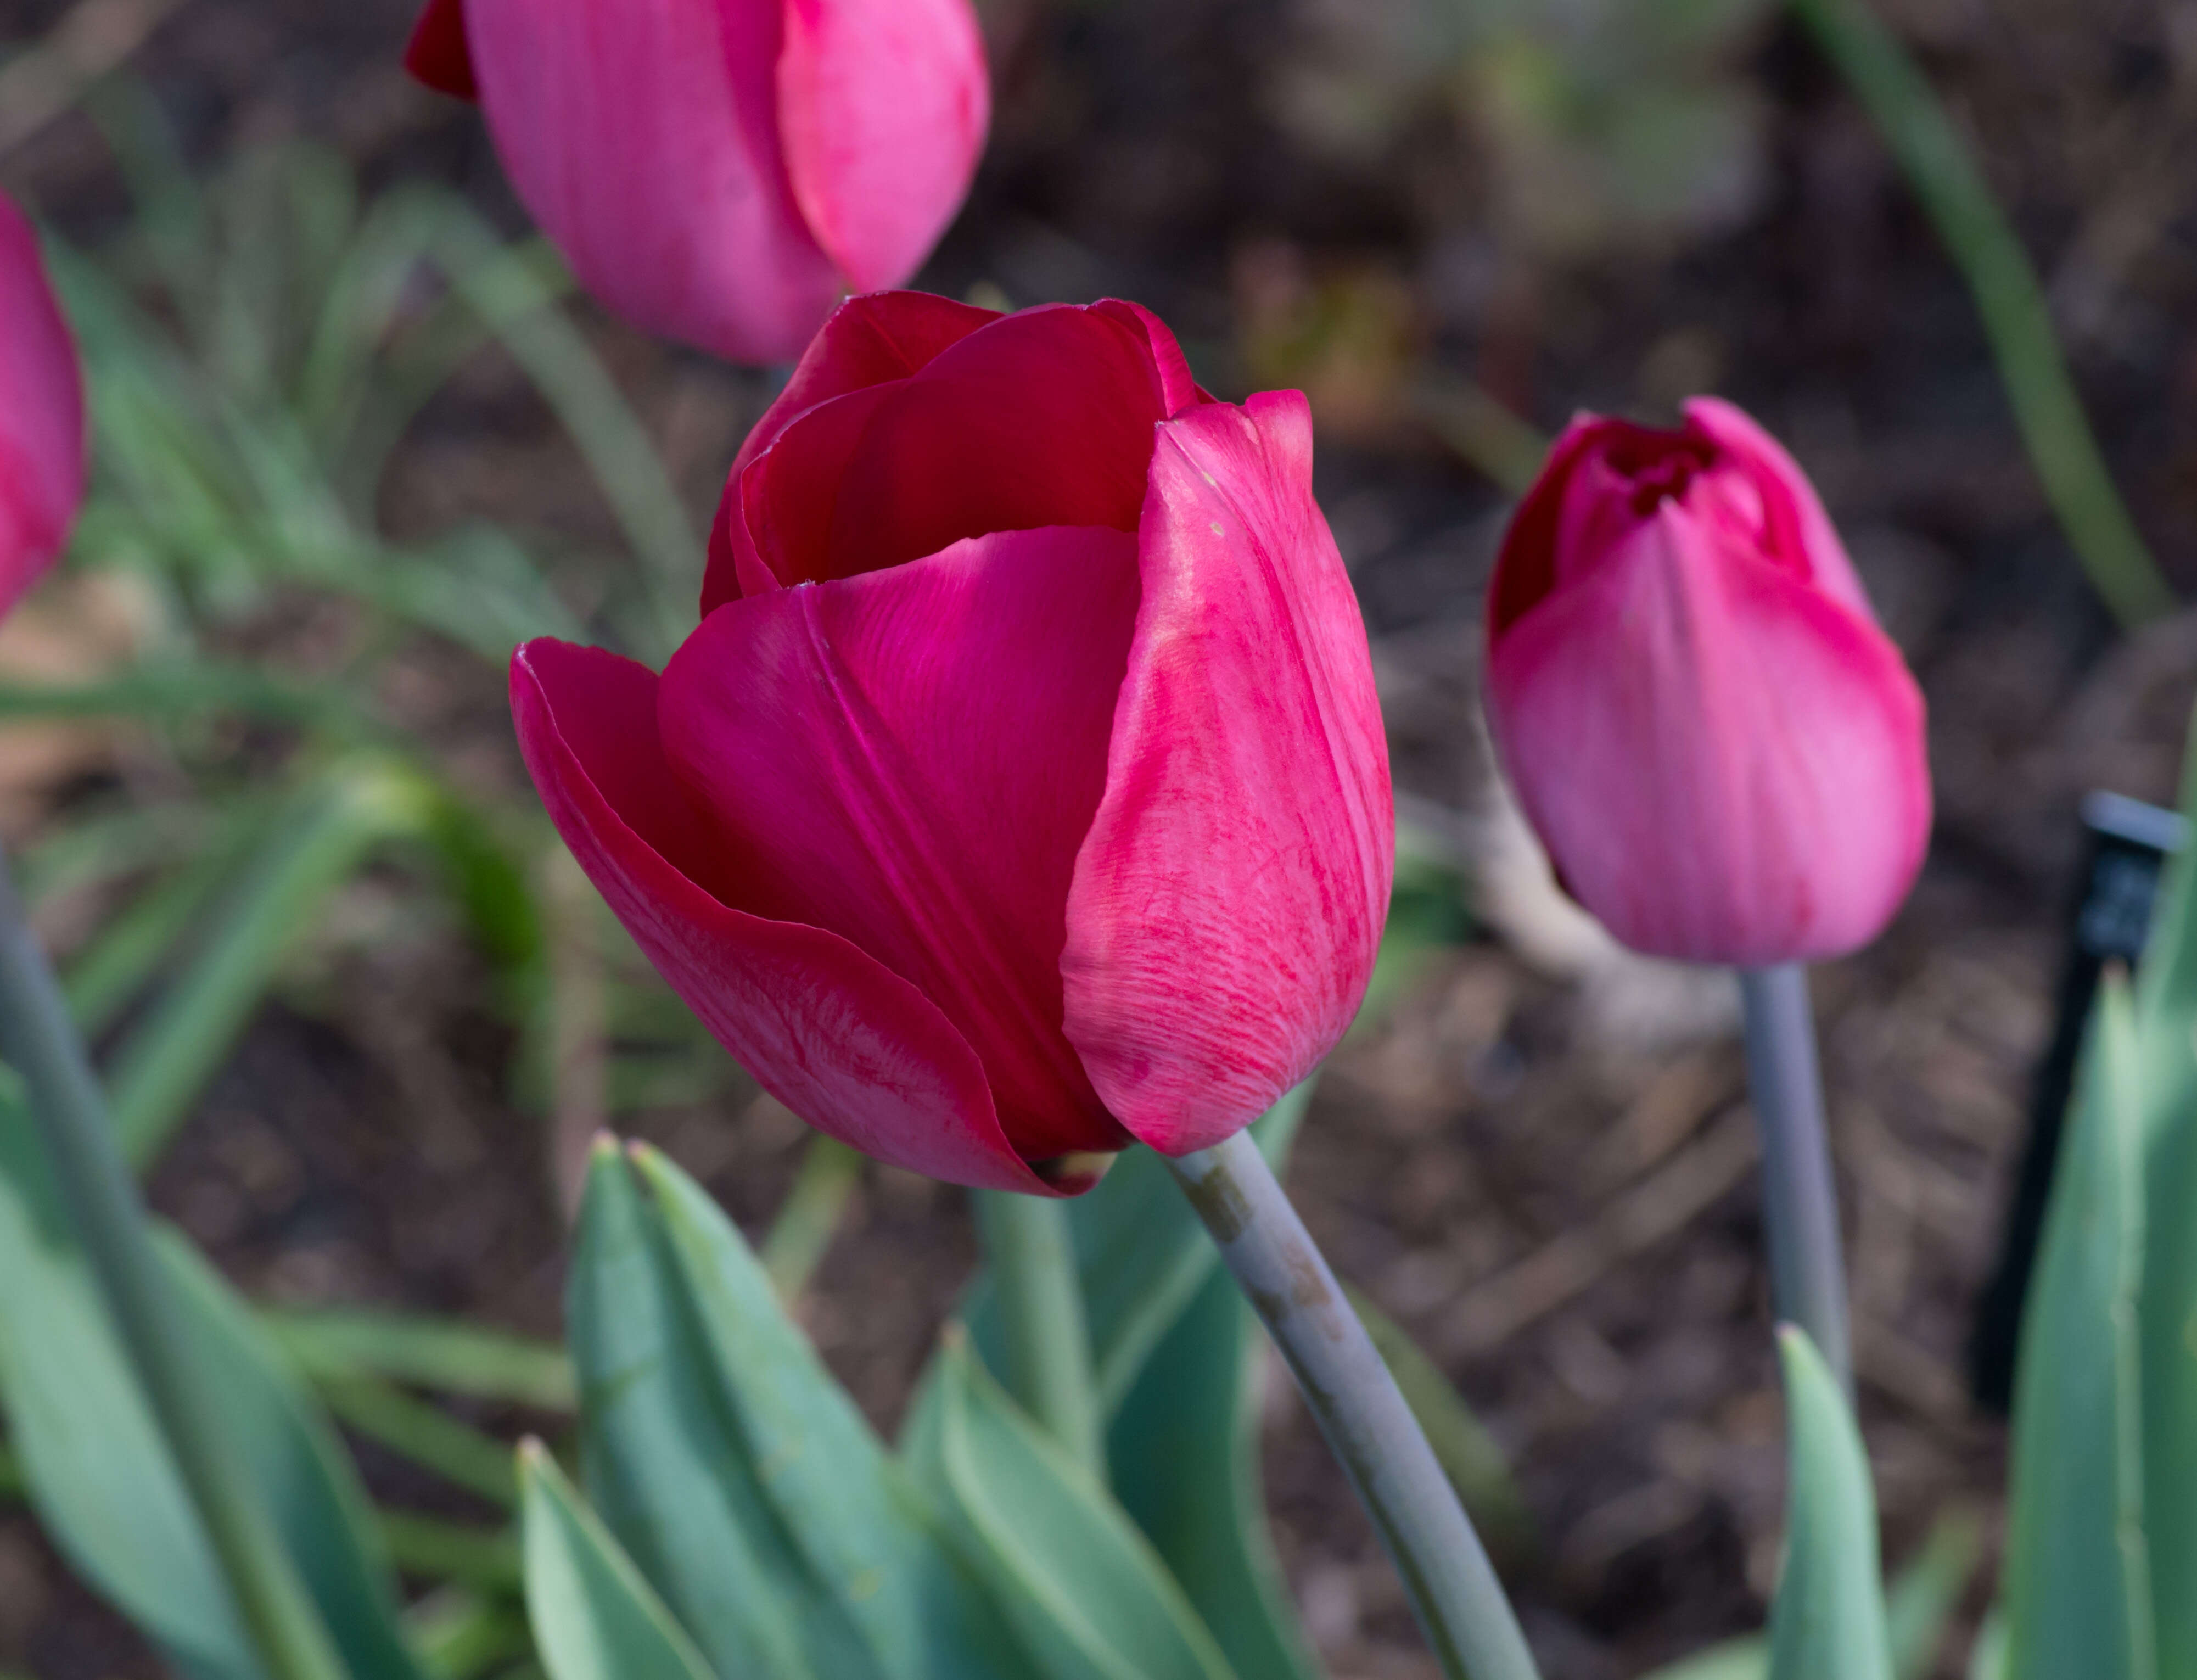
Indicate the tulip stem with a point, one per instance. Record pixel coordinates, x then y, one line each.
1453 1589
1799 1198
1032 1260
70 1114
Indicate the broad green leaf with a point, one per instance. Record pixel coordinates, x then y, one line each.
2167 1083
1184 1453
742 1480
1142 1254
594 1618
2078 1589
302 1473
99 1472
1827 1622
1919 1607
1090 1597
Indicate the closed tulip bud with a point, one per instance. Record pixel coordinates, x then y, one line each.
723 171
1722 751
42 422
1023 790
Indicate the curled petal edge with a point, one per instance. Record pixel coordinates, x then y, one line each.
840 1039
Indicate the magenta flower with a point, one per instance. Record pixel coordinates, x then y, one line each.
1722 751
42 422
1023 790
722 171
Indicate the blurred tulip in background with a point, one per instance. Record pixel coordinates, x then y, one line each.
722 171
1722 751
1024 790
42 419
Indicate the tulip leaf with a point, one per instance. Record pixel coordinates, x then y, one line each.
1828 1620
99 1471
2077 1585
1183 1451
1987 1661
312 848
594 1618
1091 1598
337 1343
2167 1082
1918 1609
1184 1448
741 1478
1142 1256
1924 1595
1747 1658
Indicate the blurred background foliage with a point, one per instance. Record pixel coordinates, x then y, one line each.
356 435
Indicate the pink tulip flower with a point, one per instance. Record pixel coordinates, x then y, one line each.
1721 749
42 421
722 171
1023 790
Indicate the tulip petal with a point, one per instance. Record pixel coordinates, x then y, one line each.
644 138
1526 570
868 341
42 420
1178 391
1229 901
1727 764
872 340
778 519
913 756
1041 418
435 55
883 105
1798 525
850 1048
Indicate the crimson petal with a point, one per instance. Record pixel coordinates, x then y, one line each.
435 55
850 1048
913 756
868 341
1228 904
1042 418
42 419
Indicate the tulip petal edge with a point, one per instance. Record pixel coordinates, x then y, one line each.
840 1039
1229 899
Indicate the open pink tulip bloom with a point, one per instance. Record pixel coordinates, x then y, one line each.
1023 790
1721 749
722 171
42 420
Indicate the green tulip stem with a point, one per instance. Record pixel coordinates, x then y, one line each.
70 1113
1032 1260
1453 1589
1800 1200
